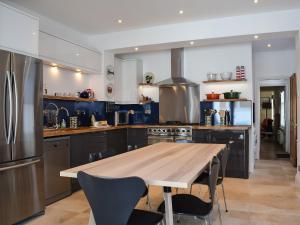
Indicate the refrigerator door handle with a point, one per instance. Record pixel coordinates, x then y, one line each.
16 107
8 83
19 165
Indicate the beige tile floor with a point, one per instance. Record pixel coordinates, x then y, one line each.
269 197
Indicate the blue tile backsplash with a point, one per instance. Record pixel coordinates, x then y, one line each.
144 114
241 112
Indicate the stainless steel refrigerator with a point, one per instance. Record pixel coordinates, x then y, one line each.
21 161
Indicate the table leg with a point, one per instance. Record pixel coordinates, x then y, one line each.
92 220
168 205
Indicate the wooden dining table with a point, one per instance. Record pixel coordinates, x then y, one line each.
165 164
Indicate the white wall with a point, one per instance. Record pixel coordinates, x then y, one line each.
274 64
65 81
198 62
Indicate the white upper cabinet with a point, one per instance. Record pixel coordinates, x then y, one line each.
60 51
128 74
19 31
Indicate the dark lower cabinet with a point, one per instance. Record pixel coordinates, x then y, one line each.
56 159
83 146
117 141
238 162
201 136
137 138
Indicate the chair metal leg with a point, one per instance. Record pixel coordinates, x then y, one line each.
209 220
206 221
148 199
178 218
224 197
220 215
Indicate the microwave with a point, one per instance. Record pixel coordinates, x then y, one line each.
121 117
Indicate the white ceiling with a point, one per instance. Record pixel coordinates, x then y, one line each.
100 16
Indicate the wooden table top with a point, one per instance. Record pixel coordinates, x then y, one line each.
161 164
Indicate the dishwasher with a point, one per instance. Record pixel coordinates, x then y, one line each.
56 159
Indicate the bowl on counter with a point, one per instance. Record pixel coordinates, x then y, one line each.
226 75
232 95
212 76
212 96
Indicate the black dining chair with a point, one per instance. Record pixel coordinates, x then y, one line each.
113 200
190 205
203 178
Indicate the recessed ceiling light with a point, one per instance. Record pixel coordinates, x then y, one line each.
33 33
120 21
192 42
78 70
269 45
255 1
180 12
136 49
256 37
77 54
54 64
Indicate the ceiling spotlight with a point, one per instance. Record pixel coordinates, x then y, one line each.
255 1
54 64
192 43
120 21
78 70
256 37
269 45
180 12
136 49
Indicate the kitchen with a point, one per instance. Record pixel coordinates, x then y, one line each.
104 97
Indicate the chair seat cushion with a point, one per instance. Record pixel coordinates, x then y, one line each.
141 217
188 205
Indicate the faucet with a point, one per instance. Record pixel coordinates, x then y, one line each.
65 109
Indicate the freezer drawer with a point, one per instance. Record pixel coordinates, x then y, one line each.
21 190
57 158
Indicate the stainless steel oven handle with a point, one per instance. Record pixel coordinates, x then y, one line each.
9 132
160 137
16 108
20 165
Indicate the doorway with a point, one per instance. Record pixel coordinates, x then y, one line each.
273 123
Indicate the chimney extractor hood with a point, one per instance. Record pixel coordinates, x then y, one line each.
177 70
179 98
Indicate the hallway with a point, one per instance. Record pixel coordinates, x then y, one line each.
270 150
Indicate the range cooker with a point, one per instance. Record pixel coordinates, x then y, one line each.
169 134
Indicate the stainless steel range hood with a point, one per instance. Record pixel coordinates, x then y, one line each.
179 99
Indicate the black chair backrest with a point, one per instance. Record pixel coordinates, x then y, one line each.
112 200
224 159
213 177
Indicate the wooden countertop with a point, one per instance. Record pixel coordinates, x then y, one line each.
161 164
81 130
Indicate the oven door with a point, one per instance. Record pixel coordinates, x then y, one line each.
156 139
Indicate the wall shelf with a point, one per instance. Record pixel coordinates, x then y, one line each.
150 85
223 81
69 98
227 100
